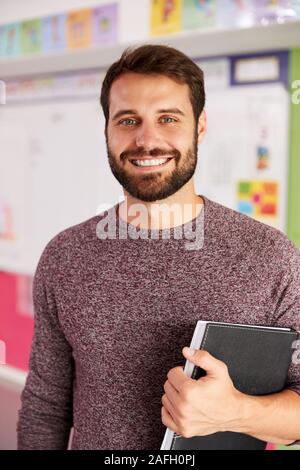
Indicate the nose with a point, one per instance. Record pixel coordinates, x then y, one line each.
147 136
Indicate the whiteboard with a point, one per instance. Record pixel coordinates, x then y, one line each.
237 117
54 171
12 193
61 156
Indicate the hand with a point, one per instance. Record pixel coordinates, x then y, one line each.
200 407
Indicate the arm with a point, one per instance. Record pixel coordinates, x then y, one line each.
45 418
263 417
212 404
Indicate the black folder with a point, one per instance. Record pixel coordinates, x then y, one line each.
258 359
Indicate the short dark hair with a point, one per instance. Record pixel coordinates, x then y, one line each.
157 59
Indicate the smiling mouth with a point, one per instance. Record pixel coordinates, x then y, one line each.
152 163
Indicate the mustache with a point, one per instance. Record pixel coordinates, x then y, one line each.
156 152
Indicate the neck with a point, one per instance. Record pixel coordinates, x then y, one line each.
178 209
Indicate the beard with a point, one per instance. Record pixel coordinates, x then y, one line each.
157 185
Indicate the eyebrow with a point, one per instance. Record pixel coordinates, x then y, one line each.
171 111
122 112
159 111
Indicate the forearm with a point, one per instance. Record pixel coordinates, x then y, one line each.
46 414
274 418
42 424
42 433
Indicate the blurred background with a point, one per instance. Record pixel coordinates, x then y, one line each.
53 166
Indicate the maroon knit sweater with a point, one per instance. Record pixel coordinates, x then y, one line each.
111 318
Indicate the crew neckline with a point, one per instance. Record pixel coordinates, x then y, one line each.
186 227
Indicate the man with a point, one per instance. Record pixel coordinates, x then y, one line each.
115 304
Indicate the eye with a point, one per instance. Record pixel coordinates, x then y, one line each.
128 122
168 119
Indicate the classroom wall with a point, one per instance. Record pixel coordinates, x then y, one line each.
293 227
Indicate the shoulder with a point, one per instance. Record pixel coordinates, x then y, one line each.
243 234
72 246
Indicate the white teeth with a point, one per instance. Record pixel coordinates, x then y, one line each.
159 161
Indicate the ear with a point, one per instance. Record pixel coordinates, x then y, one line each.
201 126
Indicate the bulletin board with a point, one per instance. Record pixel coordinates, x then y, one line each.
243 161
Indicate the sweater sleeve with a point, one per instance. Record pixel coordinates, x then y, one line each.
288 311
288 315
45 417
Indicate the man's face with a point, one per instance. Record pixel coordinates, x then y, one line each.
151 135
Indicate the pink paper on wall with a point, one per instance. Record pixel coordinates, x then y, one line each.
16 327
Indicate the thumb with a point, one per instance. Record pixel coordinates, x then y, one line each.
213 367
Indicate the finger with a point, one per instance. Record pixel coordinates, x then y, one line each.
169 407
177 378
168 420
203 359
172 393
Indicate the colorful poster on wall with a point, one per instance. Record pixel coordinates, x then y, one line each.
79 29
105 22
31 36
263 148
259 199
11 40
53 33
165 16
199 13
275 11
236 14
